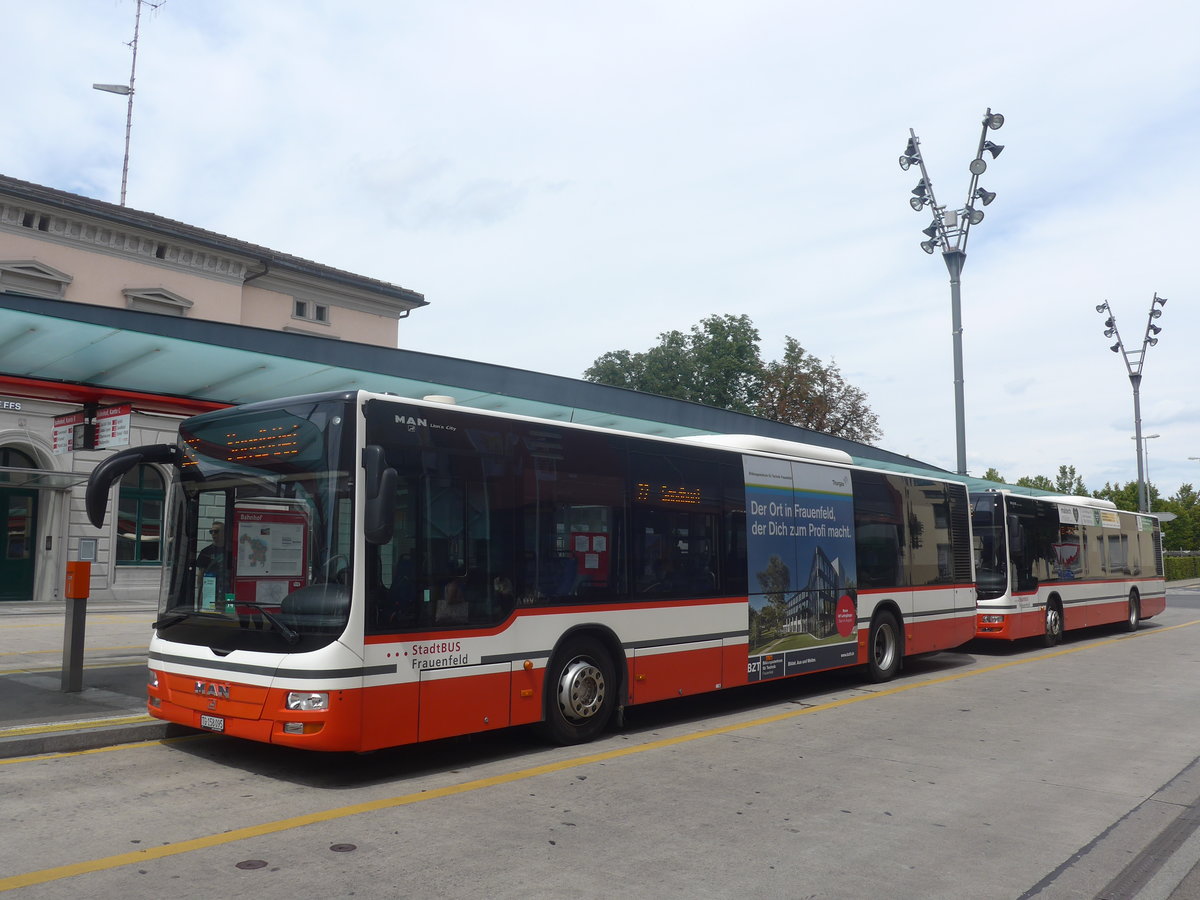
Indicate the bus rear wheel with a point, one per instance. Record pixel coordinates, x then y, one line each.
883 644
1134 619
580 692
1054 624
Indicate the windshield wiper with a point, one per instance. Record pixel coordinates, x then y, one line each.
288 634
168 619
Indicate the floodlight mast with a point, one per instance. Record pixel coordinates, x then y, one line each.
948 232
1134 360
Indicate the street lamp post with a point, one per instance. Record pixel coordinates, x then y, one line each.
948 232
1133 365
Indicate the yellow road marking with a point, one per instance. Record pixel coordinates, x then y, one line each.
54 727
86 649
240 834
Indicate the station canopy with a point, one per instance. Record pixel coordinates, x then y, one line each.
169 364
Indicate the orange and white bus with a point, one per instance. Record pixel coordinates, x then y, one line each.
353 571
1049 564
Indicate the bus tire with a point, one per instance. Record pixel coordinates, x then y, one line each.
883 647
1134 619
1054 624
581 692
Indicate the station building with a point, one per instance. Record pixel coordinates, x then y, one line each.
117 323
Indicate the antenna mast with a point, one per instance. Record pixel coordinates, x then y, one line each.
127 89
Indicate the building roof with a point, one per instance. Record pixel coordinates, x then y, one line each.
47 197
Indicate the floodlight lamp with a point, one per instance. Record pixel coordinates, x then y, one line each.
974 216
993 120
1110 332
1156 329
1152 341
977 166
993 149
986 196
1155 313
1100 307
906 161
932 231
1110 322
1115 347
920 189
1161 301
927 246
917 202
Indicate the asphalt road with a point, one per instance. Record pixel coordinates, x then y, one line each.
999 772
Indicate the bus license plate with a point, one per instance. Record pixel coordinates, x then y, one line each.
212 723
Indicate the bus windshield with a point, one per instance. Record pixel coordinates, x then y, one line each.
260 537
991 558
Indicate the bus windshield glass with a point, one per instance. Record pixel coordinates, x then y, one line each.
991 558
260 534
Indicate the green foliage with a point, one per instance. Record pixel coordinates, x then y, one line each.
1124 496
1184 532
1041 482
1069 482
718 364
993 475
1179 567
800 390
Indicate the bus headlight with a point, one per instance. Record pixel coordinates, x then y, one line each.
993 620
151 678
309 701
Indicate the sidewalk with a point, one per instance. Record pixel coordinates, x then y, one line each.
37 717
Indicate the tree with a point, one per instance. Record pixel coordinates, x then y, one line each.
1041 482
718 363
993 475
1184 532
1068 482
1124 496
799 390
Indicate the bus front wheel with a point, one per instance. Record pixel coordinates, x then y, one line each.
1054 624
883 644
580 692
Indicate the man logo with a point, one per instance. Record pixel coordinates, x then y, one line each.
208 689
412 422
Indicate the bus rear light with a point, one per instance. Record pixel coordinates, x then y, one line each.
308 701
302 727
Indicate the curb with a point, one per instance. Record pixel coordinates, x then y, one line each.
82 736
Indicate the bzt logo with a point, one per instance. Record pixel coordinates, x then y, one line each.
207 689
412 422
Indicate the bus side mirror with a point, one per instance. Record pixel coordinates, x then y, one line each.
100 481
380 484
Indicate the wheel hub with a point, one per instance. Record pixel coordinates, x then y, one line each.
581 690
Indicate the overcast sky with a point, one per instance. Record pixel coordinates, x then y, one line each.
561 179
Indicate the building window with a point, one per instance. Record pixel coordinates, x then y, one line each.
310 311
139 517
27 276
157 300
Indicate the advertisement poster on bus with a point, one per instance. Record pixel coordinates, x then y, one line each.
800 553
